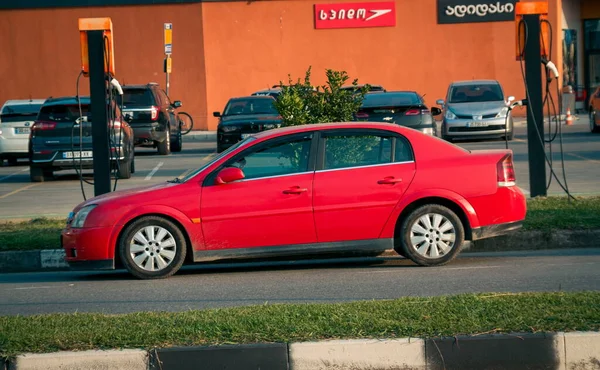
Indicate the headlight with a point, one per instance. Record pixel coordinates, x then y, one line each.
229 128
427 131
80 217
450 115
502 113
270 126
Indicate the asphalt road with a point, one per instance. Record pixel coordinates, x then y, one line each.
210 286
20 198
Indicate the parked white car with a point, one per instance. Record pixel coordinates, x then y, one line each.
16 119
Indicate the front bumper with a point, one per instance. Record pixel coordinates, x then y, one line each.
88 248
494 127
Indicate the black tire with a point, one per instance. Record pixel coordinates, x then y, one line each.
132 161
177 144
124 171
173 265
39 174
405 247
164 147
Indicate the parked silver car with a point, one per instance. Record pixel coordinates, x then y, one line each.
476 109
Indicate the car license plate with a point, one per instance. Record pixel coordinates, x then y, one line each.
22 130
245 135
477 124
86 154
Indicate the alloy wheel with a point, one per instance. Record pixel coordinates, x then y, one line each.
432 235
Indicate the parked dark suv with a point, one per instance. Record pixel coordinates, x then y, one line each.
153 118
56 144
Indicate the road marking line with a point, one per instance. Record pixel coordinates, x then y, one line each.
13 174
18 191
149 176
36 287
584 158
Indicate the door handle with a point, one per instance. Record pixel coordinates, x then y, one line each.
295 190
389 181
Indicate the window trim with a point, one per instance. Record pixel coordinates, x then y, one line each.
209 180
320 160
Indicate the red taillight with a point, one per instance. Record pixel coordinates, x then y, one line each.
413 112
506 171
155 110
43 125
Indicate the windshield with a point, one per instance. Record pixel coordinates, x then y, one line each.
21 112
476 93
250 106
191 173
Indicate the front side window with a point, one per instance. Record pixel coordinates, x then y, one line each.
358 150
278 159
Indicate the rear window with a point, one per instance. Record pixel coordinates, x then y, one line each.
389 100
19 112
62 113
135 97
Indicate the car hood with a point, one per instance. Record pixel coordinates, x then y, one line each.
470 109
121 194
243 118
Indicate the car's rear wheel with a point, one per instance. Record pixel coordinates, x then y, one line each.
177 144
152 247
431 235
38 174
124 171
164 147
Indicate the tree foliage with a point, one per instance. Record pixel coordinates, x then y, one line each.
300 103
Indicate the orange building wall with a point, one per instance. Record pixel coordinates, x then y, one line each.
41 53
590 9
250 46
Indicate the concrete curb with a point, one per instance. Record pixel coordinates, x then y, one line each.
53 259
200 136
560 351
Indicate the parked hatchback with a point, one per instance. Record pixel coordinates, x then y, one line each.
61 139
16 119
152 116
301 192
405 108
476 109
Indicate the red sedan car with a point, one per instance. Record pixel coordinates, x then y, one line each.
304 191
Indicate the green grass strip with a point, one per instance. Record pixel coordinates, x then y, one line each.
543 214
406 317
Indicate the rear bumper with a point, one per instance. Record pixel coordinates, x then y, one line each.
148 133
496 230
16 146
56 160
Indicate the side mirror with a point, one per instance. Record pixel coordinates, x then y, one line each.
217 114
440 102
229 174
510 100
177 103
436 111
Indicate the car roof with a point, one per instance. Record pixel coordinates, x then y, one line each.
251 97
328 126
64 100
475 82
24 101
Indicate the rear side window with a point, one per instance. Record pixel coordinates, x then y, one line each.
62 113
137 97
20 112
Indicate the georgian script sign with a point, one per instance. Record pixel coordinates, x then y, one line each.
354 15
470 11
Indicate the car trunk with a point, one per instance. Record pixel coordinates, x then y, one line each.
410 116
56 128
138 105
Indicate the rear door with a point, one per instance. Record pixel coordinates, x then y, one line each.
361 175
16 120
57 130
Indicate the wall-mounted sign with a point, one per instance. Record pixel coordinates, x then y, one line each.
470 11
354 15
168 38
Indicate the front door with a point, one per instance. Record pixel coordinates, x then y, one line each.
361 177
271 206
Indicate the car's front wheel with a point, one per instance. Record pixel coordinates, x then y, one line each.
152 247
431 235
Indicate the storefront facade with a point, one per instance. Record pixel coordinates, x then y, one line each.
224 49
